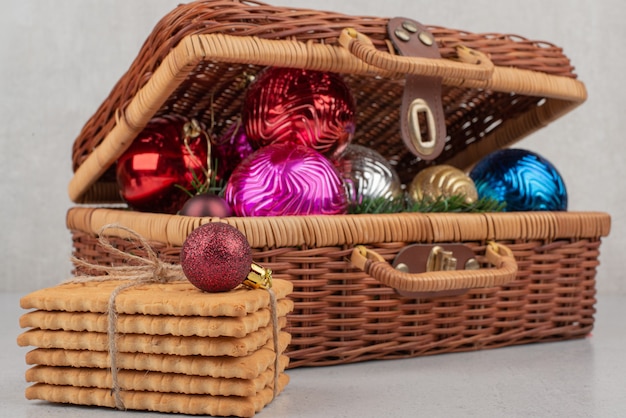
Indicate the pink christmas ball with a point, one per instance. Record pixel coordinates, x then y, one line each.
206 205
303 107
216 257
283 179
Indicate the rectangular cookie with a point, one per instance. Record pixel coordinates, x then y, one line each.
153 381
177 298
240 406
246 367
151 344
238 327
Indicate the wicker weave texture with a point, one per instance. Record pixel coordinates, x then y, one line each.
184 69
342 315
198 63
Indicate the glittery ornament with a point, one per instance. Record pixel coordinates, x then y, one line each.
522 179
206 205
160 161
216 257
441 181
284 179
229 150
303 107
368 175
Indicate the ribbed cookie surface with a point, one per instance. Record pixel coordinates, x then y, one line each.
178 298
240 406
237 326
245 367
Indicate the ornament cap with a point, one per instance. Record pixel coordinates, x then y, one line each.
259 277
192 129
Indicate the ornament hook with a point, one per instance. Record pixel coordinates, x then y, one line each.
259 277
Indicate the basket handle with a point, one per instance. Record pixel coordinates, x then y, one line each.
471 64
498 255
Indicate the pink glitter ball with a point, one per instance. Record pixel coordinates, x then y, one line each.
285 179
216 257
312 108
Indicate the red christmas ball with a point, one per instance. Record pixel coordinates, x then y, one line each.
162 159
302 107
206 205
216 257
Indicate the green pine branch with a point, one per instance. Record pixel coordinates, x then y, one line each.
210 185
453 204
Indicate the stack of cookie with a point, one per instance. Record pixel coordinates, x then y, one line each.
177 349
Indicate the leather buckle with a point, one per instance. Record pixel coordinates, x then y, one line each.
419 258
422 95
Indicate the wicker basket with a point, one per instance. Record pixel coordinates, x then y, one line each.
495 89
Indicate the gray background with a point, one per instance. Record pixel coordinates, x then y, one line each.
59 59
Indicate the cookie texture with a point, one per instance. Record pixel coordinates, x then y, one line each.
239 406
176 349
153 381
184 326
179 299
246 367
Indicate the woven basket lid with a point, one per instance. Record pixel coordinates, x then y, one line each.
199 56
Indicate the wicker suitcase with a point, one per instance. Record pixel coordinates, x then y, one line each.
536 280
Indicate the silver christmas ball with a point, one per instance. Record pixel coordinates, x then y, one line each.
368 175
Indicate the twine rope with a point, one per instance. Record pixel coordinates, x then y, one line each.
143 271
274 315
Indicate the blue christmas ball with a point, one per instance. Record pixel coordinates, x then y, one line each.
523 180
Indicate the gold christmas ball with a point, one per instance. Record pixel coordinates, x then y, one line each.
442 181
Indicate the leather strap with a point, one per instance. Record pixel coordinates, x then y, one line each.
422 108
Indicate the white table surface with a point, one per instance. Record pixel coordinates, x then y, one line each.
579 378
